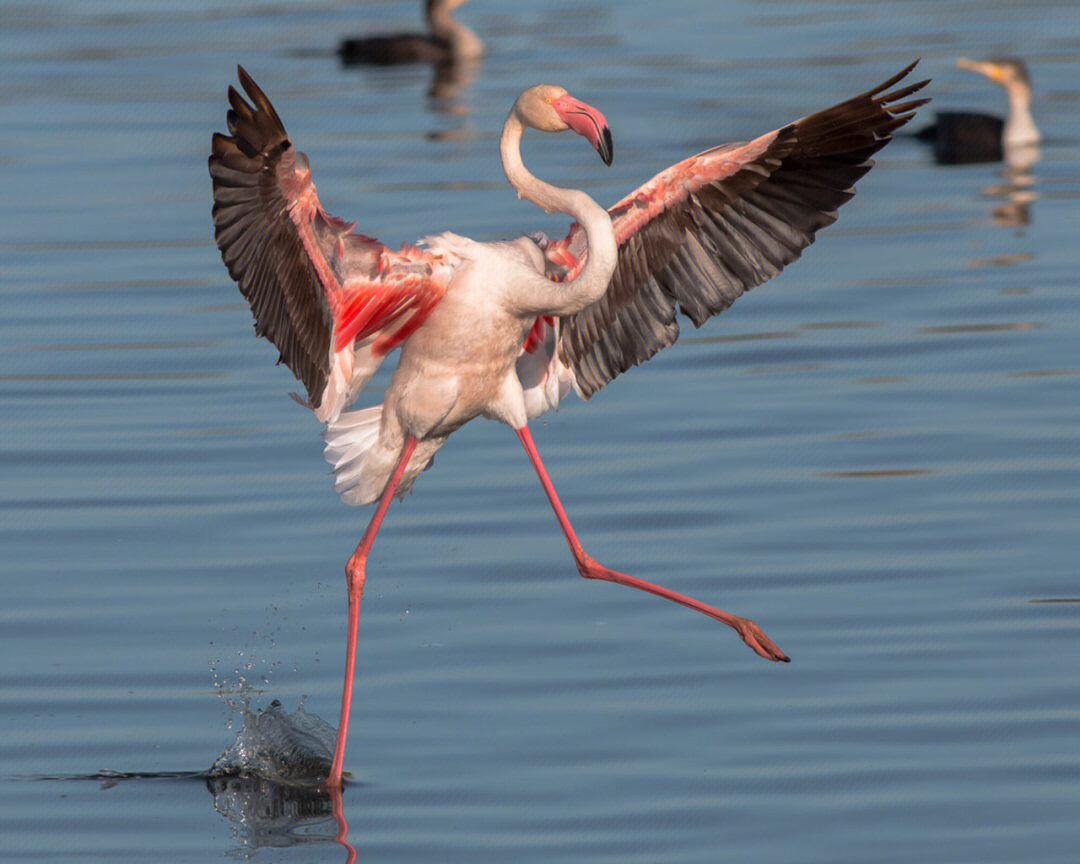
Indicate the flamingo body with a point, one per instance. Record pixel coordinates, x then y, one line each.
460 363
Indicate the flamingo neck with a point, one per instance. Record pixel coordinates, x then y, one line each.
592 280
464 43
1020 125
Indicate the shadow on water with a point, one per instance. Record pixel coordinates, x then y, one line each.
268 783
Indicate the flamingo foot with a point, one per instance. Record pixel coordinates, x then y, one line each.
748 631
762 645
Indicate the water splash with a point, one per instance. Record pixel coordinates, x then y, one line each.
250 676
289 749
269 782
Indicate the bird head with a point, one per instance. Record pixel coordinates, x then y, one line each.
550 108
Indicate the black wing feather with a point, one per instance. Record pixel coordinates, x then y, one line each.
259 241
708 247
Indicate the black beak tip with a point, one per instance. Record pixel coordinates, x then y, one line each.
605 148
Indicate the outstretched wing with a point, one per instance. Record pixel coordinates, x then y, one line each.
332 301
703 231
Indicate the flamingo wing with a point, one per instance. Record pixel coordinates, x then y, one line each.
332 301
700 233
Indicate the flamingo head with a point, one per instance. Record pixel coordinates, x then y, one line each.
551 109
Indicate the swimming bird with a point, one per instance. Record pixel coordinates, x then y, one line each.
963 136
505 330
449 41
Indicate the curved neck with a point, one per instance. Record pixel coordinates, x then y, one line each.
464 44
592 280
1019 125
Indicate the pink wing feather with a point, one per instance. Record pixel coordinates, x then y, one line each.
707 229
318 291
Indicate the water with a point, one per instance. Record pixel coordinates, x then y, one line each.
875 456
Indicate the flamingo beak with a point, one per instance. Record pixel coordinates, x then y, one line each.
589 123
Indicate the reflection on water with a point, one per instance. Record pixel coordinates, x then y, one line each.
1017 192
449 83
268 814
447 96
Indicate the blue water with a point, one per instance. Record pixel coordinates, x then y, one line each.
876 456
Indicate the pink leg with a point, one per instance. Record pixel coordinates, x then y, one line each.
354 572
590 568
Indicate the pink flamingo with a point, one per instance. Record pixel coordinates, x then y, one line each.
505 330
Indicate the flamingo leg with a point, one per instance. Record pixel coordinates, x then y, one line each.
590 568
354 573
337 807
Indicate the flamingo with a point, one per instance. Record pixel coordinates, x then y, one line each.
506 329
450 41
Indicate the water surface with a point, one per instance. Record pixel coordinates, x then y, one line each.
876 456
